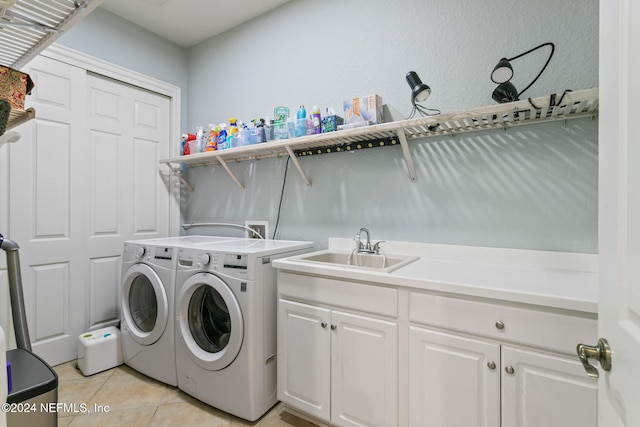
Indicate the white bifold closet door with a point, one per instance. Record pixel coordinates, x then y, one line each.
83 179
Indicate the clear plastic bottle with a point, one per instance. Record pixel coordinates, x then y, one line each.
201 141
268 129
292 130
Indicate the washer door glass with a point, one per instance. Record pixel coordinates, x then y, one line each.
211 324
209 320
145 305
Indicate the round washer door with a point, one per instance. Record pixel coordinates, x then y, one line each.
211 323
144 304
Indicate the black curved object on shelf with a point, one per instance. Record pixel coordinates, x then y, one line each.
15 293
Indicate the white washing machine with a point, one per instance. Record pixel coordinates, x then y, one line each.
226 323
147 306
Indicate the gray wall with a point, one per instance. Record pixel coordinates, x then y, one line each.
533 187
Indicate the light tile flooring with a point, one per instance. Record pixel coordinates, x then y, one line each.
136 400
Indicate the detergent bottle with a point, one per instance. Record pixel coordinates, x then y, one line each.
212 139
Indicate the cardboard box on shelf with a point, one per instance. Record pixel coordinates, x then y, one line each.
365 108
14 86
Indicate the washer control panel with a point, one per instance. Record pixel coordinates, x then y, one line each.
238 261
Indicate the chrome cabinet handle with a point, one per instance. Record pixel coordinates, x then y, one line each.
500 324
601 352
334 327
509 370
323 325
491 365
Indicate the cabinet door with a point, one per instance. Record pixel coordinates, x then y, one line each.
364 371
546 390
304 361
454 381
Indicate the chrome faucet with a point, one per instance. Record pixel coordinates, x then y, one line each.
365 248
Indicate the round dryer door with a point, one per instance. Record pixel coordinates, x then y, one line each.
211 323
144 304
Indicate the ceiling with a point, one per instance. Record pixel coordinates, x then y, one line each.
188 22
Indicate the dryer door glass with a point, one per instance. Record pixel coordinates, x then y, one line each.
209 320
143 304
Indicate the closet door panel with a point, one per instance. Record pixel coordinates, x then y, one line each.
47 185
129 132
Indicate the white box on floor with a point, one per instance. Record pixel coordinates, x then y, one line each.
99 350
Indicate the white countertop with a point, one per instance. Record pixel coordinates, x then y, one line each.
552 279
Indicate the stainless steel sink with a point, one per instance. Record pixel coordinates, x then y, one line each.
386 263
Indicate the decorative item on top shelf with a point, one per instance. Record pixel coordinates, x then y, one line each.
5 112
14 87
503 72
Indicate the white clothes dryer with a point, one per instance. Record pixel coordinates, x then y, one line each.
147 307
226 323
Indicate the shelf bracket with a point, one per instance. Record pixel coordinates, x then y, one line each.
224 165
177 172
295 161
407 154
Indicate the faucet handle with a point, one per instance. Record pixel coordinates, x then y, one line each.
376 247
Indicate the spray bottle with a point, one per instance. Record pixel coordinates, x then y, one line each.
222 137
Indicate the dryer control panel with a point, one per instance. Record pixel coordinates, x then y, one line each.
162 252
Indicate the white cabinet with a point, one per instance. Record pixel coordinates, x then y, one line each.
482 364
453 380
546 390
364 371
337 365
365 354
304 358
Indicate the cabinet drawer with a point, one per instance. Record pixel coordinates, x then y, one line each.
551 329
354 296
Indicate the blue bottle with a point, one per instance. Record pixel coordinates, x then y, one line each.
301 123
222 137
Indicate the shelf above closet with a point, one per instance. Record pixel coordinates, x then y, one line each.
576 104
30 26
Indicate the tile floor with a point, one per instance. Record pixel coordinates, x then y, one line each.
136 400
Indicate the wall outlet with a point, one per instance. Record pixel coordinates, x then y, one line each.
261 227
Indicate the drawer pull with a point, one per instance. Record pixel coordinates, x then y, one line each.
323 325
509 370
334 327
491 365
500 324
